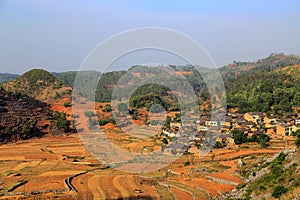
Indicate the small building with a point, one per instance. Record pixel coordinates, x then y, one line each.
269 120
202 128
211 123
284 130
296 108
254 116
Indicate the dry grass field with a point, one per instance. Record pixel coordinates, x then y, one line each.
40 167
61 167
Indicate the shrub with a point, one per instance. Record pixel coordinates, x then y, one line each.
187 163
26 129
240 186
67 104
112 120
165 141
102 122
92 123
262 188
62 123
57 95
89 113
55 115
8 130
135 115
107 108
278 191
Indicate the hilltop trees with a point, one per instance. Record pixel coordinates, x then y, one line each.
273 92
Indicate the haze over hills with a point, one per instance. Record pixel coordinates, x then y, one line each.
251 86
5 77
268 85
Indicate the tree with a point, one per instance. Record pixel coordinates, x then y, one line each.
165 141
89 113
135 115
102 122
67 104
107 108
167 122
239 137
92 123
62 123
278 191
213 157
8 130
26 129
122 108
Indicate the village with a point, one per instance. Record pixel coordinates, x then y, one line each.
184 137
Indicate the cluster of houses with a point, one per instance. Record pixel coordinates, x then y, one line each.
249 123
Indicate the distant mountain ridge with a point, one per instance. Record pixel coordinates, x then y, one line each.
5 77
251 86
272 62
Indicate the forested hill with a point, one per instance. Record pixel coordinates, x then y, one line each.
274 92
270 84
270 63
38 84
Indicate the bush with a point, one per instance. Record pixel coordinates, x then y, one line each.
262 188
278 191
239 137
102 122
135 115
187 163
26 129
89 113
92 123
112 120
240 186
56 115
107 108
62 123
8 130
165 141
67 104
57 95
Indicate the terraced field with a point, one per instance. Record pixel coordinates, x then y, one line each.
62 167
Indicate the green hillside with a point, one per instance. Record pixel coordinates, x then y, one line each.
39 84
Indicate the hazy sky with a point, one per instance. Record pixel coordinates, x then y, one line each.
57 35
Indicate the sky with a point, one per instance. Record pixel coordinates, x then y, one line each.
58 35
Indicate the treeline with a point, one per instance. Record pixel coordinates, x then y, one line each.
272 92
264 87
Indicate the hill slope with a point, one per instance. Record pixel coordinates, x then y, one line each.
22 117
270 63
39 84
